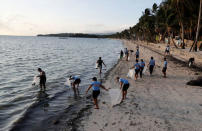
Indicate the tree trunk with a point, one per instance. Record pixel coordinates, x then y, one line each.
182 35
198 28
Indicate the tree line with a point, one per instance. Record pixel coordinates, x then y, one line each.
169 19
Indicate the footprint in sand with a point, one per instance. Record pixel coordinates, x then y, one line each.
114 123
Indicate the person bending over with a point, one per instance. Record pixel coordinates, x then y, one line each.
42 77
124 85
96 90
75 83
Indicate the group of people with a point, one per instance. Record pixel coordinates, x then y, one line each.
96 85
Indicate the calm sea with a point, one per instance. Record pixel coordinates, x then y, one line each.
25 107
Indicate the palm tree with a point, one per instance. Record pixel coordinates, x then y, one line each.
198 28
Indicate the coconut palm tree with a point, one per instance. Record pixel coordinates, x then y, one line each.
198 28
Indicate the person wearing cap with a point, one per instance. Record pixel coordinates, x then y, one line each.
76 82
124 85
42 77
96 90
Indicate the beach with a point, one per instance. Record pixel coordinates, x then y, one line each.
153 103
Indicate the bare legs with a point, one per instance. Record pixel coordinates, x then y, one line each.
124 93
76 90
96 103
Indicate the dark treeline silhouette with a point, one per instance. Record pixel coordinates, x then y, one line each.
171 18
74 35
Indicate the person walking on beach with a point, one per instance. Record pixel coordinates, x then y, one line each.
164 67
167 50
137 54
96 90
142 65
124 85
42 77
126 54
75 83
137 69
121 54
100 62
151 65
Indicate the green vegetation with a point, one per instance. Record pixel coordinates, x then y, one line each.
74 35
171 18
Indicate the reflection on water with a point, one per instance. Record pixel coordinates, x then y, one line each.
42 98
22 104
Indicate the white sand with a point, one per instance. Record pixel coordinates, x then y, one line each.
153 103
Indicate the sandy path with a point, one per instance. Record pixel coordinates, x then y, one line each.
154 103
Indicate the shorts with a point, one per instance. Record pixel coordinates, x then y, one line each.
125 87
164 69
167 51
77 81
137 56
95 94
137 71
100 67
42 81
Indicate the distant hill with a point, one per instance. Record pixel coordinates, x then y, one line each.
76 35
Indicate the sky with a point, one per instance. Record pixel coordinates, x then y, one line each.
32 17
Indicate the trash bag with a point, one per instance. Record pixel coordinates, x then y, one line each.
131 73
36 81
144 70
68 83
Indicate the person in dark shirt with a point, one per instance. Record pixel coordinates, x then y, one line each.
42 77
100 62
121 54
164 67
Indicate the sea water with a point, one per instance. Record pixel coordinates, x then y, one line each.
22 105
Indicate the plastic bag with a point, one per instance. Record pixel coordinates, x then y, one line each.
68 83
131 73
144 70
36 81
115 95
96 66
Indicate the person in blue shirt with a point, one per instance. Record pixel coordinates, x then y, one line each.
137 54
96 90
124 85
151 65
142 65
76 82
164 67
137 69
126 54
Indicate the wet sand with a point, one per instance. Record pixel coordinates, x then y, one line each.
153 102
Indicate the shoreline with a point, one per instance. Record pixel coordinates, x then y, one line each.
107 118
